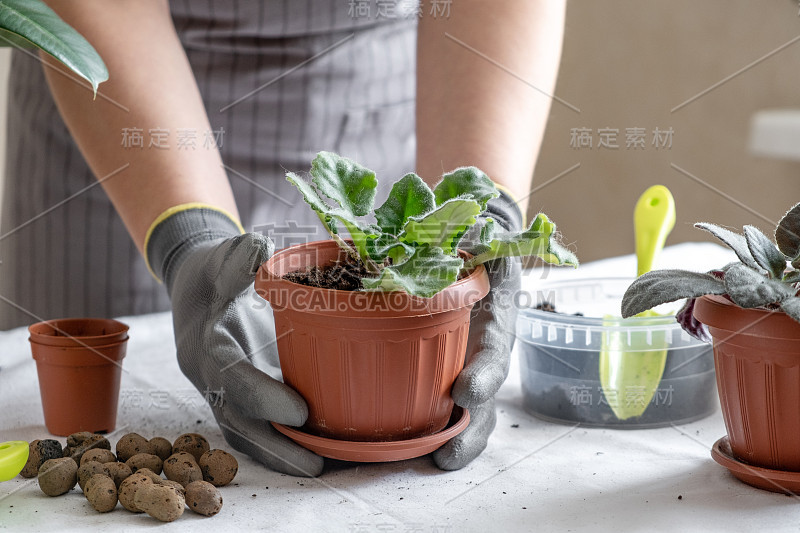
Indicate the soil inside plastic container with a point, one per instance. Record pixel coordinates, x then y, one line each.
562 384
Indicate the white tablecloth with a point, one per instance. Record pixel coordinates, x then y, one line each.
534 475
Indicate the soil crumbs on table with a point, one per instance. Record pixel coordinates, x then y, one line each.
340 275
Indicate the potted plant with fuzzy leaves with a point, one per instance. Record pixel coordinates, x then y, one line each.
377 363
752 311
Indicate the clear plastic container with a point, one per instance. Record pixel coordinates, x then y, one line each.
560 358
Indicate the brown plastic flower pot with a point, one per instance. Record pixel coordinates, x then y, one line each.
69 332
79 386
372 366
757 360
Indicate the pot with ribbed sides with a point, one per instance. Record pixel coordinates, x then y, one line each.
757 360
372 366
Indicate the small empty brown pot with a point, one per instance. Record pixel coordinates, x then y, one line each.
76 332
372 366
79 384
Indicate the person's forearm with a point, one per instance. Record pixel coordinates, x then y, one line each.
150 76
472 106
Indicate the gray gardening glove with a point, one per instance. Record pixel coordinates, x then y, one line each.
225 335
491 337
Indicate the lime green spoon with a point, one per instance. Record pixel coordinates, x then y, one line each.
630 377
13 456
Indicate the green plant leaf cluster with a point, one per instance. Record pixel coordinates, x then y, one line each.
767 274
412 244
27 23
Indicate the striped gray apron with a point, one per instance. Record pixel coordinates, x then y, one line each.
281 80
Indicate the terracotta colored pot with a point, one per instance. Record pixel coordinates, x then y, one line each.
372 366
70 332
79 386
757 360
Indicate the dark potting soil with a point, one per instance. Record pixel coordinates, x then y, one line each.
341 275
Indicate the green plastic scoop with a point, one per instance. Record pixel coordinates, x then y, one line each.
13 456
630 376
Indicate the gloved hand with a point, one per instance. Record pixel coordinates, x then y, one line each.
224 334
491 338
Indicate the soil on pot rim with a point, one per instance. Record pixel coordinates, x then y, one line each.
340 275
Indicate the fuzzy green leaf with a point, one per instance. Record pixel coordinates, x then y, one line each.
661 286
792 276
310 194
787 234
764 252
443 227
345 182
735 241
791 306
33 21
360 233
749 288
539 240
387 245
409 197
427 272
466 182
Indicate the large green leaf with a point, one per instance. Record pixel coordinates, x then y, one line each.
787 235
37 23
427 272
359 231
443 227
764 252
661 286
735 242
466 182
409 197
387 245
345 182
538 240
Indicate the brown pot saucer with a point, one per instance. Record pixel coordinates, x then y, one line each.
782 481
375 452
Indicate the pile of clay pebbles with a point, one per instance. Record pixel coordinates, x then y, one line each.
132 476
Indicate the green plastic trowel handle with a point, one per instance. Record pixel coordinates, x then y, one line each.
653 219
13 456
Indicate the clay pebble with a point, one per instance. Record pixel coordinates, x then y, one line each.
145 460
131 444
161 447
132 484
160 501
101 455
84 443
89 469
193 443
119 472
218 467
40 451
58 476
203 498
183 468
101 493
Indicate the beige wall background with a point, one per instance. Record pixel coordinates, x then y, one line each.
629 64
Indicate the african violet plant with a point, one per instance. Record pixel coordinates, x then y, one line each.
761 278
412 244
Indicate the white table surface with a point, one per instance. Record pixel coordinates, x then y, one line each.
534 475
